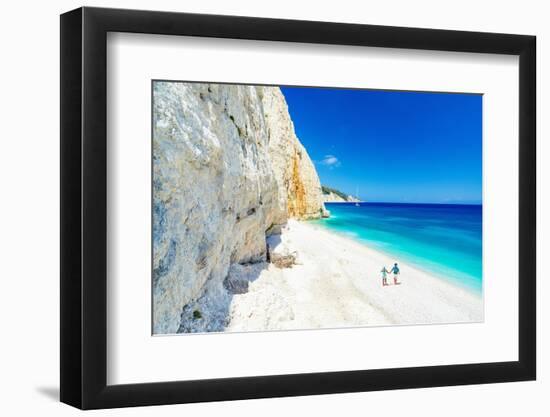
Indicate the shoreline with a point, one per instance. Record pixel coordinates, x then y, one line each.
405 258
336 282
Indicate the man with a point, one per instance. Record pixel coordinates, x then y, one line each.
395 272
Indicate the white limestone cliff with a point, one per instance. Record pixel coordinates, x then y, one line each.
228 170
335 198
331 195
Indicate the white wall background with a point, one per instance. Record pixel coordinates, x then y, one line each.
29 225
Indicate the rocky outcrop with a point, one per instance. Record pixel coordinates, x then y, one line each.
279 252
228 170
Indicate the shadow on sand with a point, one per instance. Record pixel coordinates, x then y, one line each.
211 312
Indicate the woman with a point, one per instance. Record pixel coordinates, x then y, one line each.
384 276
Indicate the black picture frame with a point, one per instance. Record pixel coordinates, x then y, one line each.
84 207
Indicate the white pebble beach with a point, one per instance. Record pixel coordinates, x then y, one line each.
337 283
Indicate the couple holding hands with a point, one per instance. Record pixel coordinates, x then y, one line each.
394 271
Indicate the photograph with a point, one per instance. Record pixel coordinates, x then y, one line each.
297 208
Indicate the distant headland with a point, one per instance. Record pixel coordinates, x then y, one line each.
332 195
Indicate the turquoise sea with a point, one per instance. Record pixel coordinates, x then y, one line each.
444 239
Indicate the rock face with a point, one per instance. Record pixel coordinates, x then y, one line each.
228 170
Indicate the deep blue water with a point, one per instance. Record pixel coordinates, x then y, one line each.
444 239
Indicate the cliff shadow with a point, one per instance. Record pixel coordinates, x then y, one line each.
212 311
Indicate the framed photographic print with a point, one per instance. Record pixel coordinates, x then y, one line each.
256 208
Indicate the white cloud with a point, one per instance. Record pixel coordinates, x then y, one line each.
330 161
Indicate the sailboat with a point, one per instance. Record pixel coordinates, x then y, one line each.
357 196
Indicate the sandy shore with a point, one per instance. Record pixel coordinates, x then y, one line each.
336 283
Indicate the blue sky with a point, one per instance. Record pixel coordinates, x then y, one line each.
394 146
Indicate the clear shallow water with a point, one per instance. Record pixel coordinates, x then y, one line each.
444 239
